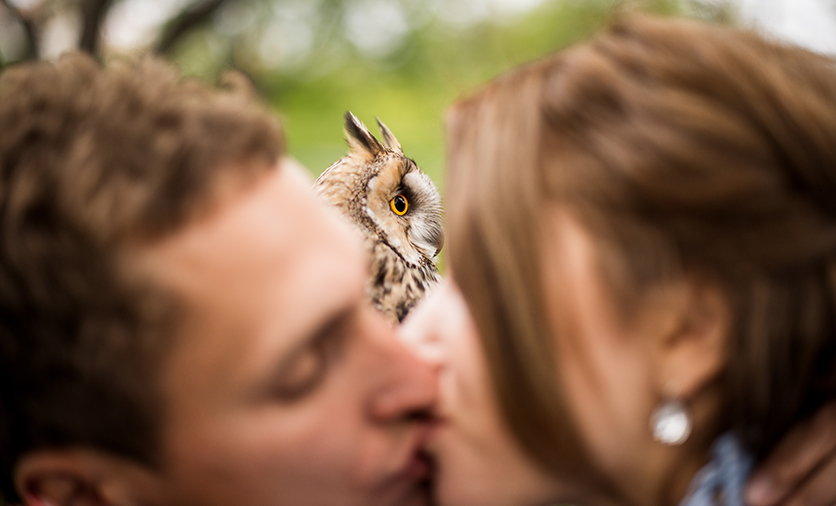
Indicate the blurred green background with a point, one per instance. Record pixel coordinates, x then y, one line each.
424 59
405 61
411 87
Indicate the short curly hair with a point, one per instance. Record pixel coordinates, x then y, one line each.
93 160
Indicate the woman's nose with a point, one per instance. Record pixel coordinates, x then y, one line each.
424 329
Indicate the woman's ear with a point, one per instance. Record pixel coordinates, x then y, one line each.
82 477
693 349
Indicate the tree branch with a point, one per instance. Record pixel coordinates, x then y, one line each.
191 18
92 14
33 48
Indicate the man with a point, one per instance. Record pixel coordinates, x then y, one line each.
180 322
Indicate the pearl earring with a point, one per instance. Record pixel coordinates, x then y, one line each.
670 423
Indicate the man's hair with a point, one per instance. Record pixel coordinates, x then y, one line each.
685 149
93 160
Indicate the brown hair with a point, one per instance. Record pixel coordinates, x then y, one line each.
685 148
91 161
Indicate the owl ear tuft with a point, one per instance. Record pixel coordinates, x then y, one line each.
389 139
360 140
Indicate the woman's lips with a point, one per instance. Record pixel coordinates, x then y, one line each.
419 467
420 464
413 480
416 466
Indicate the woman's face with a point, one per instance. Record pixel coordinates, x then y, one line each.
479 461
611 375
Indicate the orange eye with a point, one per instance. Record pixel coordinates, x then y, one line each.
399 205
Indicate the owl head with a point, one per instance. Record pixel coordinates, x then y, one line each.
385 194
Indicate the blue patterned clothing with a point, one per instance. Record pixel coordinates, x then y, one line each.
721 481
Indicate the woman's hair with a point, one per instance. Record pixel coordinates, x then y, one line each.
684 148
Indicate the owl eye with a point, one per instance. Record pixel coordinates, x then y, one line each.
399 205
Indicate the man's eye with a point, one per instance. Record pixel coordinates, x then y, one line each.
302 373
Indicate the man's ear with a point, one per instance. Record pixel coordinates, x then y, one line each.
82 477
693 350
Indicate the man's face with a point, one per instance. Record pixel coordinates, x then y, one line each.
283 387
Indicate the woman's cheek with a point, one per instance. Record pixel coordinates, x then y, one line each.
479 460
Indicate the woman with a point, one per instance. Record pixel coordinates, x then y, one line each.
643 228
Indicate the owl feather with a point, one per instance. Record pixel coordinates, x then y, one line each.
395 207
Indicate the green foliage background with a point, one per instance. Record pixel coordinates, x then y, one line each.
411 88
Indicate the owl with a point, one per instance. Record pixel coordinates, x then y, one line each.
397 210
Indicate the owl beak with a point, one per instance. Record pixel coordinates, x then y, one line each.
438 242
429 242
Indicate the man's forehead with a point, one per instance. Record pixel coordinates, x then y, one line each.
260 272
275 218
